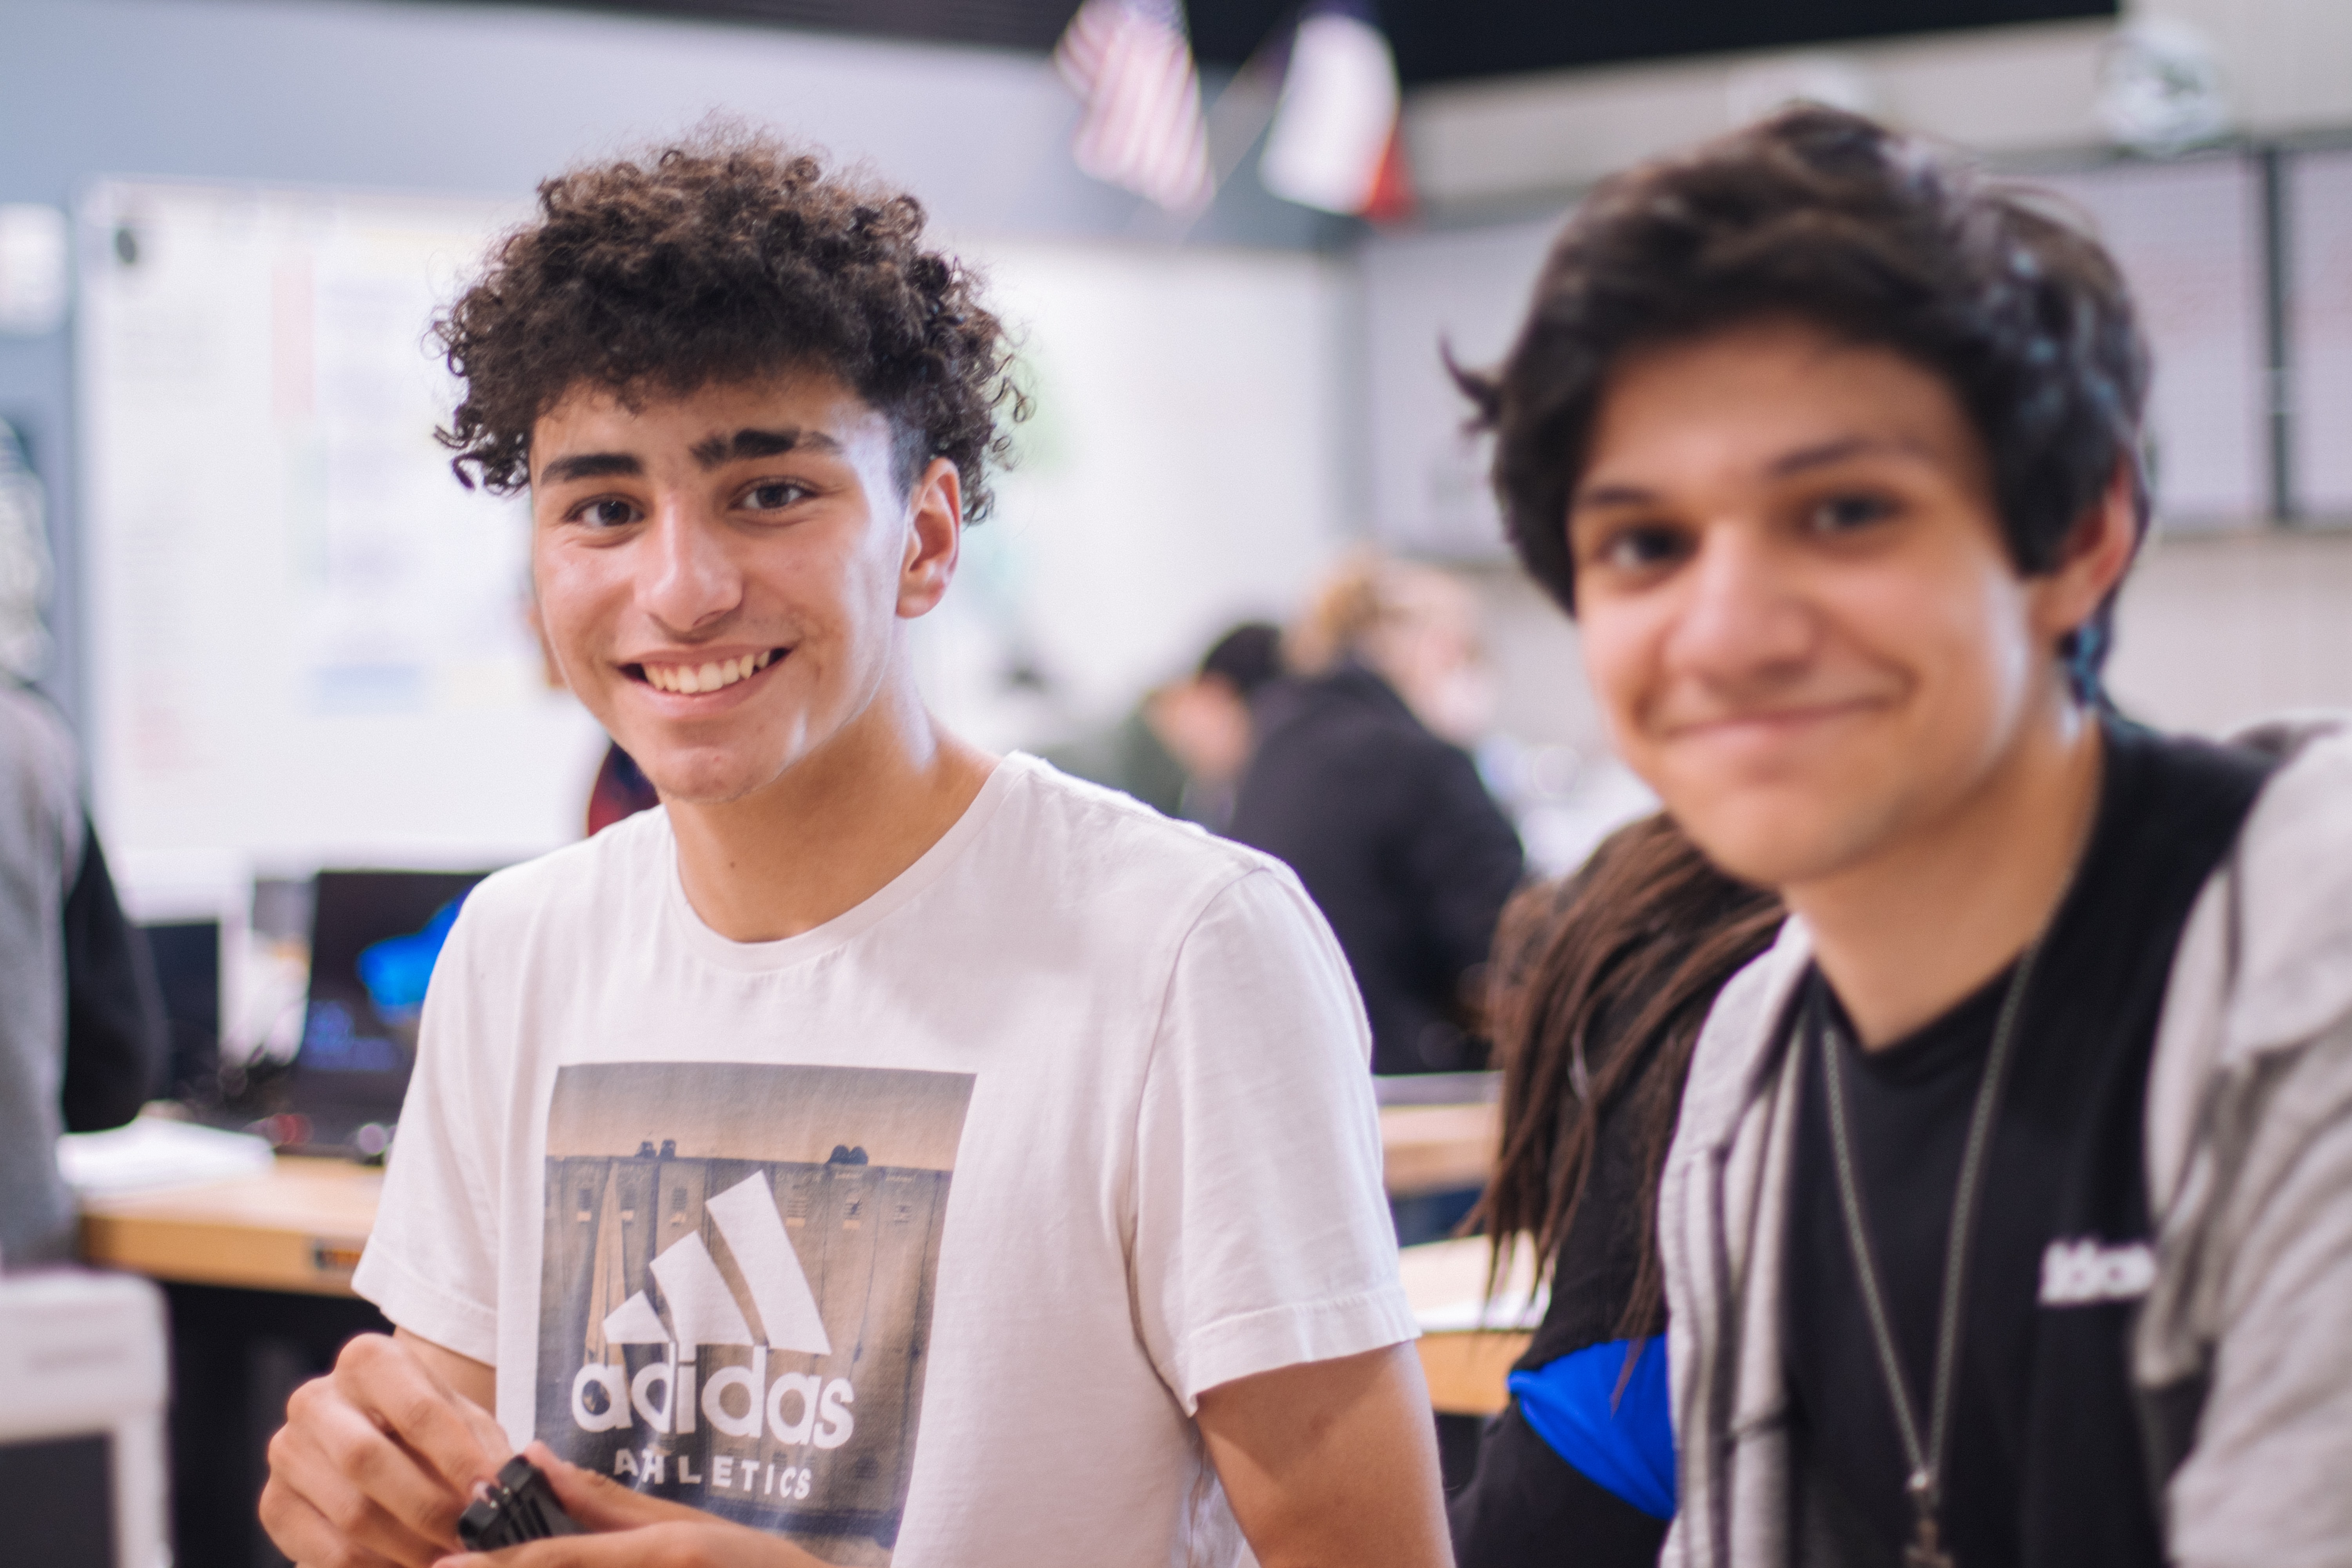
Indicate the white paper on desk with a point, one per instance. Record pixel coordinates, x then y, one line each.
153 1152
1446 1281
1507 1312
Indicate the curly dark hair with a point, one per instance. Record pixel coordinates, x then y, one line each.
727 258
1830 217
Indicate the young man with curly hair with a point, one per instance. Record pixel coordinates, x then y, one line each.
2009 1215
885 1153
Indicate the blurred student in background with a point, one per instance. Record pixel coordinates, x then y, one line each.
1600 984
1181 751
82 1041
620 792
1360 785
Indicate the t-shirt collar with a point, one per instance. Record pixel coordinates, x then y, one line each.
679 917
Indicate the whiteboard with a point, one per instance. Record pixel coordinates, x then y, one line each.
308 643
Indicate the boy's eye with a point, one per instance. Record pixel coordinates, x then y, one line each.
774 495
1641 547
607 511
1844 513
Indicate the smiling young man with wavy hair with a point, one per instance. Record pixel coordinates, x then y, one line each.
2009 1215
885 1152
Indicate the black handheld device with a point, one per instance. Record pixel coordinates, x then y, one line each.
519 1506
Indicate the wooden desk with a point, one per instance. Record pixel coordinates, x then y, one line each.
299 1228
1469 1375
1438 1148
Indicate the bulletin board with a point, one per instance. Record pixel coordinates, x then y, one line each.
308 643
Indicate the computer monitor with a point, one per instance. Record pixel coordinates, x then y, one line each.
187 955
374 937
82 1388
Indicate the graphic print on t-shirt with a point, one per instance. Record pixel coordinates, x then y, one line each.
737 1287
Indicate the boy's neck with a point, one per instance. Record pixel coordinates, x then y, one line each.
834 829
1917 928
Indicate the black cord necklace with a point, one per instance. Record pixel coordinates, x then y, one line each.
1925 1451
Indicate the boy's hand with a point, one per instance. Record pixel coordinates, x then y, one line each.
377 1459
632 1530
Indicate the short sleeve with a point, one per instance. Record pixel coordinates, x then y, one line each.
431 1263
1262 1237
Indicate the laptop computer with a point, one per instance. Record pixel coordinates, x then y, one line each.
375 938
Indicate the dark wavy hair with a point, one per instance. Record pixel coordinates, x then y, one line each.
1598 988
1831 218
727 258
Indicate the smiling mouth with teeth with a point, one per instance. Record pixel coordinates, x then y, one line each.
691 679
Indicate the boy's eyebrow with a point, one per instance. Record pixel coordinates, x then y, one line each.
1796 462
589 466
1611 495
1839 450
717 449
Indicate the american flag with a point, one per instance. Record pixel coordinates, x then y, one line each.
1130 61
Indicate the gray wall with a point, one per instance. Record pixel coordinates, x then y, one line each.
488 99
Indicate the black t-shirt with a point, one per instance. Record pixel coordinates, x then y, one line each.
2044 1464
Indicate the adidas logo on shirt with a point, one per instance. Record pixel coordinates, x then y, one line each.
2086 1272
705 1311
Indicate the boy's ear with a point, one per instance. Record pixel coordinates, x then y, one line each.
934 538
2097 553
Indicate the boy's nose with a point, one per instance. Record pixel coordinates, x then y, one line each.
688 578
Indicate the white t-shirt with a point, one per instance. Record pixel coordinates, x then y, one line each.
916 1237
